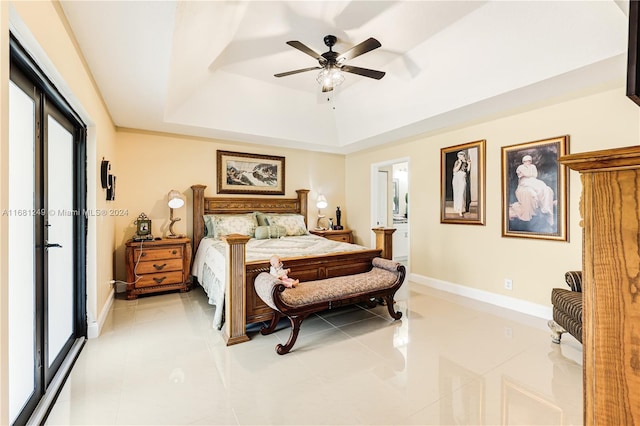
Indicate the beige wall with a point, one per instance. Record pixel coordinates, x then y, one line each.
149 165
478 256
42 29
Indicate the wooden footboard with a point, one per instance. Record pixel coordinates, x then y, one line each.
242 304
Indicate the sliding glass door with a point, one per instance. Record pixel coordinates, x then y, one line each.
47 308
59 236
23 312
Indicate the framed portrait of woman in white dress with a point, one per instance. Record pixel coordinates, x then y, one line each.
463 183
534 190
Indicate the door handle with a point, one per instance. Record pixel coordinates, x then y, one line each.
52 245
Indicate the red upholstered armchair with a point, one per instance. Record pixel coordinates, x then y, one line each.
567 308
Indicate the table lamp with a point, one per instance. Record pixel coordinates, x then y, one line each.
176 200
321 203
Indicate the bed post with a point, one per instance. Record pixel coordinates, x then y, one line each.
302 200
384 241
235 299
198 213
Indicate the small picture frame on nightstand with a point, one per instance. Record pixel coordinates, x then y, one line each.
143 228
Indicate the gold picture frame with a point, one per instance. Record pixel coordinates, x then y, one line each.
243 173
534 190
462 183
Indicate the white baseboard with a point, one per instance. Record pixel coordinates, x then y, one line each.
94 327
518 305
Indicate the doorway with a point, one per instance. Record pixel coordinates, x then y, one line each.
390 203
47 239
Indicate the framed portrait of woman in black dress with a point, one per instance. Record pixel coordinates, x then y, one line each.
463 183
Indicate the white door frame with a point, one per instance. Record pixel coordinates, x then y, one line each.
374 193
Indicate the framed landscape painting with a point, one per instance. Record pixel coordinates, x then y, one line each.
462 183
534 190
242 173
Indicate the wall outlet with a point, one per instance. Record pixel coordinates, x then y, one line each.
508 284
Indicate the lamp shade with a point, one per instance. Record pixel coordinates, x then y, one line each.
321 203
176 200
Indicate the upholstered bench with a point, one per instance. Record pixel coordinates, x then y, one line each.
297 303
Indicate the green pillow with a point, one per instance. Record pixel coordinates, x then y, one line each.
266 232
208 226
261 218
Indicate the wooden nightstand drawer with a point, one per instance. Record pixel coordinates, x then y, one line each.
160 265
163 278
344 238
342 235
157 266
158 253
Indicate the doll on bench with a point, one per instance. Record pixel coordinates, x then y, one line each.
277 270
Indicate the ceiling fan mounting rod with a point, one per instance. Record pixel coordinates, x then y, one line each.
330 41
328 59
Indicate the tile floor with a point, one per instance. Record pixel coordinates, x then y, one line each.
449 360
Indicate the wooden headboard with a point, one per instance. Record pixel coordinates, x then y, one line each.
225 205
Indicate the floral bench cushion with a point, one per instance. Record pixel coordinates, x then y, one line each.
383 275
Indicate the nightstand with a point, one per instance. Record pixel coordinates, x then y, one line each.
343 235
158 265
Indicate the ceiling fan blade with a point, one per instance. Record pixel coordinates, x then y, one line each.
303 48
363 71
359 49
284 74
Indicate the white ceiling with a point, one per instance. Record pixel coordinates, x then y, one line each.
205 68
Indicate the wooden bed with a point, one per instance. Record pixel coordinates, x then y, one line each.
242 304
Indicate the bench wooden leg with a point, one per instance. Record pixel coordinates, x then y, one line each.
389 302
272 326
295 320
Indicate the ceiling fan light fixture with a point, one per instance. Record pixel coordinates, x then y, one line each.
330 77
331 63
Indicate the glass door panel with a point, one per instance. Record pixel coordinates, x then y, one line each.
59 238
22 276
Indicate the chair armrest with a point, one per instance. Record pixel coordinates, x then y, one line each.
574 280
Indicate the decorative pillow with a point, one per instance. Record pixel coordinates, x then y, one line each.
262 219
208 225
266 232
293 223
225 224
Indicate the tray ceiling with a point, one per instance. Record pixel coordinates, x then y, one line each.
206 68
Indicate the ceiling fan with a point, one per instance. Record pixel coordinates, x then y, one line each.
332 63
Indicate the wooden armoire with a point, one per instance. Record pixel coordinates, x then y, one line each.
610 210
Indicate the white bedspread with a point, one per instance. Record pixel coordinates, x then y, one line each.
209 262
